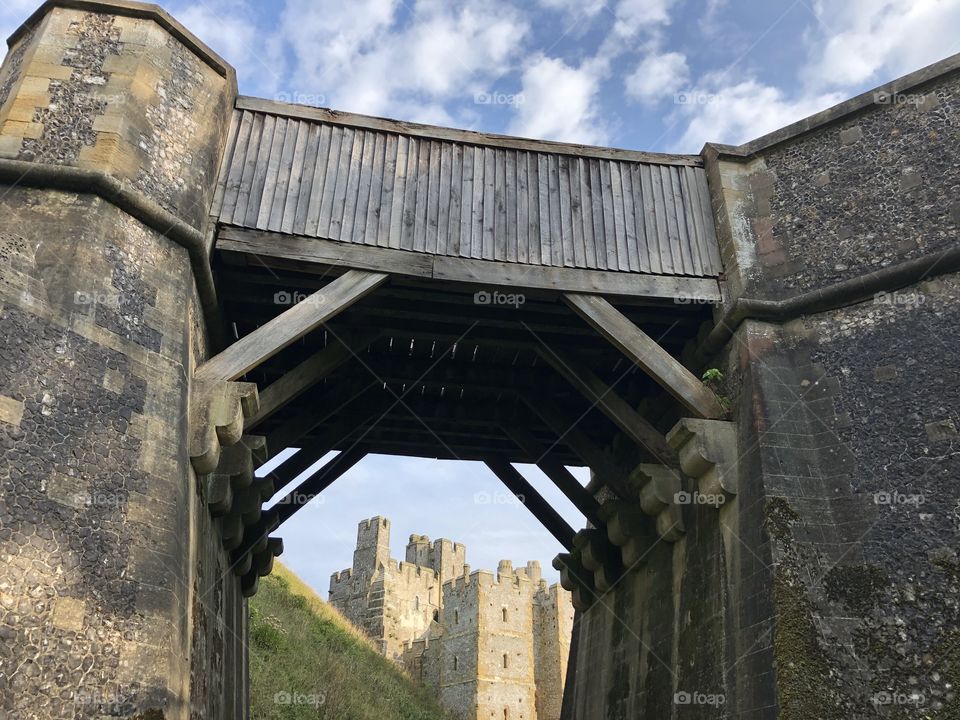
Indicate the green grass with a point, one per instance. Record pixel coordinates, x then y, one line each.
308 661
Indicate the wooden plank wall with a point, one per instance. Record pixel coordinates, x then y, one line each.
392 190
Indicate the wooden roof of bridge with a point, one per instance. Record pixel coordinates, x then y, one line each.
445 193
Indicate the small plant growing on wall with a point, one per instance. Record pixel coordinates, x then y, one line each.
713 379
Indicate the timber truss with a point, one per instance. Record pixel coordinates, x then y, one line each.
394 339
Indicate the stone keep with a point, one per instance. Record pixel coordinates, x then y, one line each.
492 646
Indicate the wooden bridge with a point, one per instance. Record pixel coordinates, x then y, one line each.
414 290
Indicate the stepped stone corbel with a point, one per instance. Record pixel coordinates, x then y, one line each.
218 410
659 489
575 578
708 453
261 566
599 556
628 528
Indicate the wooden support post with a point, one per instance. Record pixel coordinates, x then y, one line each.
643 350
595 390
309 373
269 339
533 501
561 477
598 459
316 483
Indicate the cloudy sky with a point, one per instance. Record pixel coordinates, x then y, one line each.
661 75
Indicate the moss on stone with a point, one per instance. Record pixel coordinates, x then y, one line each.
803 673
779 516
858 587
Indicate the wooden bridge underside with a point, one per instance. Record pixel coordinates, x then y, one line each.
361 346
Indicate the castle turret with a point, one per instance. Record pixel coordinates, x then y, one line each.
418 550
373 545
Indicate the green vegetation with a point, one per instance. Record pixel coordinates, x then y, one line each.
308 661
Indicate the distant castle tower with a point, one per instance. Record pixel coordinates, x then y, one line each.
492 647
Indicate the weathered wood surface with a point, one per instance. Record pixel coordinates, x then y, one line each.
319 252
598 393
643 350
533 501
270 338
457 194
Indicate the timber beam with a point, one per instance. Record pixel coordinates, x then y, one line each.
646 353
272 337
604 397
316 483
532 501
576 493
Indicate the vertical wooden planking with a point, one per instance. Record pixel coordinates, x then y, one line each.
234 173
330 183
521 161
249 161
566 212
553 206
423 195
670 206
292 194
387 195
606 193
352 139
351 186
533 183
411 181
355 220
476 222
628 216
650 225
543 210
306 182
466 202
639 216
489 202
226 162
596 210
452 246
576 215
691 217
660 213
259 177
683 242
371 223
439 243
619 216
399 191
273 168
590 241
433 199
319 180
710 233
500 219
283 175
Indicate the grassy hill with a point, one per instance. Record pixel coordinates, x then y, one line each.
308 661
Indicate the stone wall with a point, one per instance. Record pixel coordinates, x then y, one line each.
115 596
828 587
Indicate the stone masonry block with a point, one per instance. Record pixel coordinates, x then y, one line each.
708 453
11 411
217 413
68 613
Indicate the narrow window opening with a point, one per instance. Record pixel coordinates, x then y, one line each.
505 660
504 614
456 662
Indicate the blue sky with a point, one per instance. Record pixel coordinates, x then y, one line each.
659 75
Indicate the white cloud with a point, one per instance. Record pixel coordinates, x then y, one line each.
633 16
559 102
875 40
231 31
657 76
372 60
739 112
